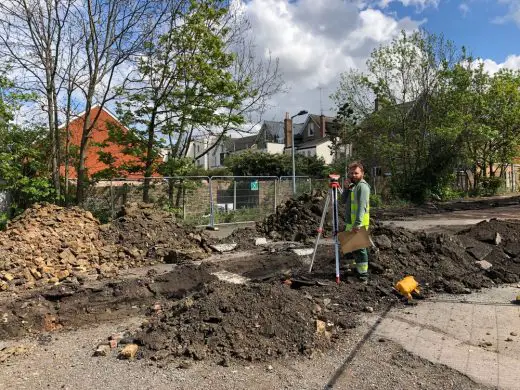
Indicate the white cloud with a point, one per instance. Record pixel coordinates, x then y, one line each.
513 14
419 4
511 62
316 40
464 9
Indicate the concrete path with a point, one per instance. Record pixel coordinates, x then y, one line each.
456 218
477 335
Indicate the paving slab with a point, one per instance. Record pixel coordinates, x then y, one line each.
476 334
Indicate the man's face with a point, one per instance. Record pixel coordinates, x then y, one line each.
356 174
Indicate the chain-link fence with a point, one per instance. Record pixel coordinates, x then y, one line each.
199 200
242 198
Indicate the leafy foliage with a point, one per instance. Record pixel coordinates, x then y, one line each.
23 155
426 109
252 163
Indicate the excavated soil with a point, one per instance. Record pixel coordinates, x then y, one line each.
68 306
255 322
224 322
297 219
156 234
283 311
49 244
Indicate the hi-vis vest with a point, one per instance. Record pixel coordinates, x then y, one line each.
365 219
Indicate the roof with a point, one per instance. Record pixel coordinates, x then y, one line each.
244 142
330 124
275 131
92 109
312 143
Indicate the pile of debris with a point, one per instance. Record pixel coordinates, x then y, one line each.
225 322
297 219
482 256
155 234
49 243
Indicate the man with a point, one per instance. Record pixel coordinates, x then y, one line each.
357 199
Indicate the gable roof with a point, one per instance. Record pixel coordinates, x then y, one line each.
92 109
313 143
329 122
275 131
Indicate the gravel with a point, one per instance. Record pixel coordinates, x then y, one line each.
66 362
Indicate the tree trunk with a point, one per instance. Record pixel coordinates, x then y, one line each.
54 144
150 157
81 171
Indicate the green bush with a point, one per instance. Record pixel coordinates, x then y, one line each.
491 185
376 200
3 221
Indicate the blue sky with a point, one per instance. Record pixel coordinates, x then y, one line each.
317 40
476 24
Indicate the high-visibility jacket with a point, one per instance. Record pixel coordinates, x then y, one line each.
359 198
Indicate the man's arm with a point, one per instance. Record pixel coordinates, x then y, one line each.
363 196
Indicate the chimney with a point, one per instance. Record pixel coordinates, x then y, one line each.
323 129
287 130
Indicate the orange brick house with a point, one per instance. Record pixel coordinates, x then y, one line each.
99 135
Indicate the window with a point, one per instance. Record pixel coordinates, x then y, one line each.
311 129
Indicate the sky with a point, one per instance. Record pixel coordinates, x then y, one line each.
316 40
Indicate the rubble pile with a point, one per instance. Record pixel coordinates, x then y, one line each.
224 322
297 219
472 259
156 234
49 243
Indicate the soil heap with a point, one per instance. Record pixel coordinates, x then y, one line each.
155 234
297 219
449 263
224 322
49 243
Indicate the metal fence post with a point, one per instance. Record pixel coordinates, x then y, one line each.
211 211
275 195
234 194
183 202
112 200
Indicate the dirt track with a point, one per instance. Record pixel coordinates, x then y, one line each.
191 317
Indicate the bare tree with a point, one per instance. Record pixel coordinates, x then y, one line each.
32 37
114 31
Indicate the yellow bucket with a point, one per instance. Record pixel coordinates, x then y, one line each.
406 286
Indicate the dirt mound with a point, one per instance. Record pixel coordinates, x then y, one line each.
155 234
449 263
48 244
297 219
224 321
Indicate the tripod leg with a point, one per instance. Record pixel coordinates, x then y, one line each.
335 228
320 229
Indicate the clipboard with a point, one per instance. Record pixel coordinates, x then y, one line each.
351 241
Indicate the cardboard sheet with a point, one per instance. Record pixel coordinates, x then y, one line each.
350 241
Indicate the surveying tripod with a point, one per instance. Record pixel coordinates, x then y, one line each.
332 194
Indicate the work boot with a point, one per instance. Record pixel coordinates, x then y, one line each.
363 278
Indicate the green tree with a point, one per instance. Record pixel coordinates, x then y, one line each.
23 155
393 101
252 163
193 79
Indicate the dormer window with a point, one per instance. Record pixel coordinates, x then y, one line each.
311 129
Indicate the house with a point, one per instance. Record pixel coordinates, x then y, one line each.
99 136
269 139
214 158
314 138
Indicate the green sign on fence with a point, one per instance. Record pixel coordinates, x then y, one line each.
254 185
